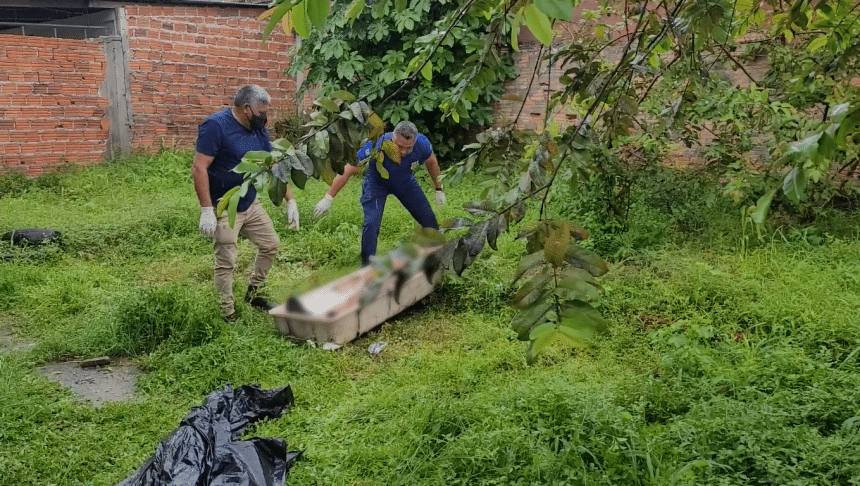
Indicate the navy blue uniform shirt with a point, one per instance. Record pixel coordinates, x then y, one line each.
223 137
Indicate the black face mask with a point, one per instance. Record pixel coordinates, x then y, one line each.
258 121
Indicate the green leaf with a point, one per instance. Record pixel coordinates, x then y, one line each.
391 151
257 155
556 9
759 213
529 262
225 199
299 177
303 162
539 24
354 10
427 71
400 5
300 19
382 170
317 12
282 144
233 204
343 96
805 147
794 185
542 330
577 337
277 190
327 103
355 107
276 17
497 226
849 124
817 43
532 290
586 260
582 315
321 140
537 346
524 321
246 166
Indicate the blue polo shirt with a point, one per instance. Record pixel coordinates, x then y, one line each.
397 172
223 137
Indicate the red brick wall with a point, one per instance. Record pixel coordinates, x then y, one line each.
50 108
187 63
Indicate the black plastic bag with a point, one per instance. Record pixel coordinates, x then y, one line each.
204 450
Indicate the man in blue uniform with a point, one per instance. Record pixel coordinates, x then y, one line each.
414 148
222 141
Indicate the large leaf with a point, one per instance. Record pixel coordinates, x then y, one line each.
496 226
539 24
277 189
556 9
303 162
277 13
576 336
586 260
354 10
525 321
582 315
383 172
391 151
427 71
474 239
376 126
281 170
538 345
300 19
355 107
317 12
529 262
794 185
759 214
224 201
532 290
299 178
321 142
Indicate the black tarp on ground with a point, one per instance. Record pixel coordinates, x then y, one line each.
205 451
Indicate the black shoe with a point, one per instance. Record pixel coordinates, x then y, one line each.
231 317
257 301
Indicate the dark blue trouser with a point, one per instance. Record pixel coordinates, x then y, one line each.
373 195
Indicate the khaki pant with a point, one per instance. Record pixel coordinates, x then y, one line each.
255 225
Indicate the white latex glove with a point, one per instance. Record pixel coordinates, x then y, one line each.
440 197
208 221
323 206
292 211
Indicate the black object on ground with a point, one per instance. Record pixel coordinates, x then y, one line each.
205 451
31 236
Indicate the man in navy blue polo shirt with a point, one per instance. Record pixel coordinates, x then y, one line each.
222 141
414 149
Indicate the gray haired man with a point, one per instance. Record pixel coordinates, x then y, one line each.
414 148
222 141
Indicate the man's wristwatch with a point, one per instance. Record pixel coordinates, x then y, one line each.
439 188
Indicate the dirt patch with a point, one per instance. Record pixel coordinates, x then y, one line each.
10 342
112 383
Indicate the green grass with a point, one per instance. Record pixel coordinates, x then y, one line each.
721 366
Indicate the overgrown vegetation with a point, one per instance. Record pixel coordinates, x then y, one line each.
722 363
